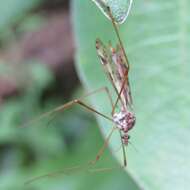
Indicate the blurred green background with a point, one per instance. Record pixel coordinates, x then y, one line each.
45 48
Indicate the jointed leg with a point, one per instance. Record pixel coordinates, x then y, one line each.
66 171
125 80
118 36
73 102
103 89
87 167
101 151
84 105
124 152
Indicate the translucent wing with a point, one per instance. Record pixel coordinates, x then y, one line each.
122 73
119 8
116 68
106 60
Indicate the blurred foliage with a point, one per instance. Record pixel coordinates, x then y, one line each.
11 11
70 139
156 39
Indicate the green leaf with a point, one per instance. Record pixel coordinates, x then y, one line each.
119 8
156 37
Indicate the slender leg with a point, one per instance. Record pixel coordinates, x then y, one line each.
125 80
81 103
66 171
73 102
86 167
118 36
113 111
124 152
103 89
101 151
96 170
125 55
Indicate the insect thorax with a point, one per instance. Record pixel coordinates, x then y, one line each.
125 120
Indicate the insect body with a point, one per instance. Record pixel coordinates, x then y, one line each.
116 68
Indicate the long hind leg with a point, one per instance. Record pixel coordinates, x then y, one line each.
78 101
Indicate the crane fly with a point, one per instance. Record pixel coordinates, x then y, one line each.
116 66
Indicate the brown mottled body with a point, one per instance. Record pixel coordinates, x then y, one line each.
115 65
